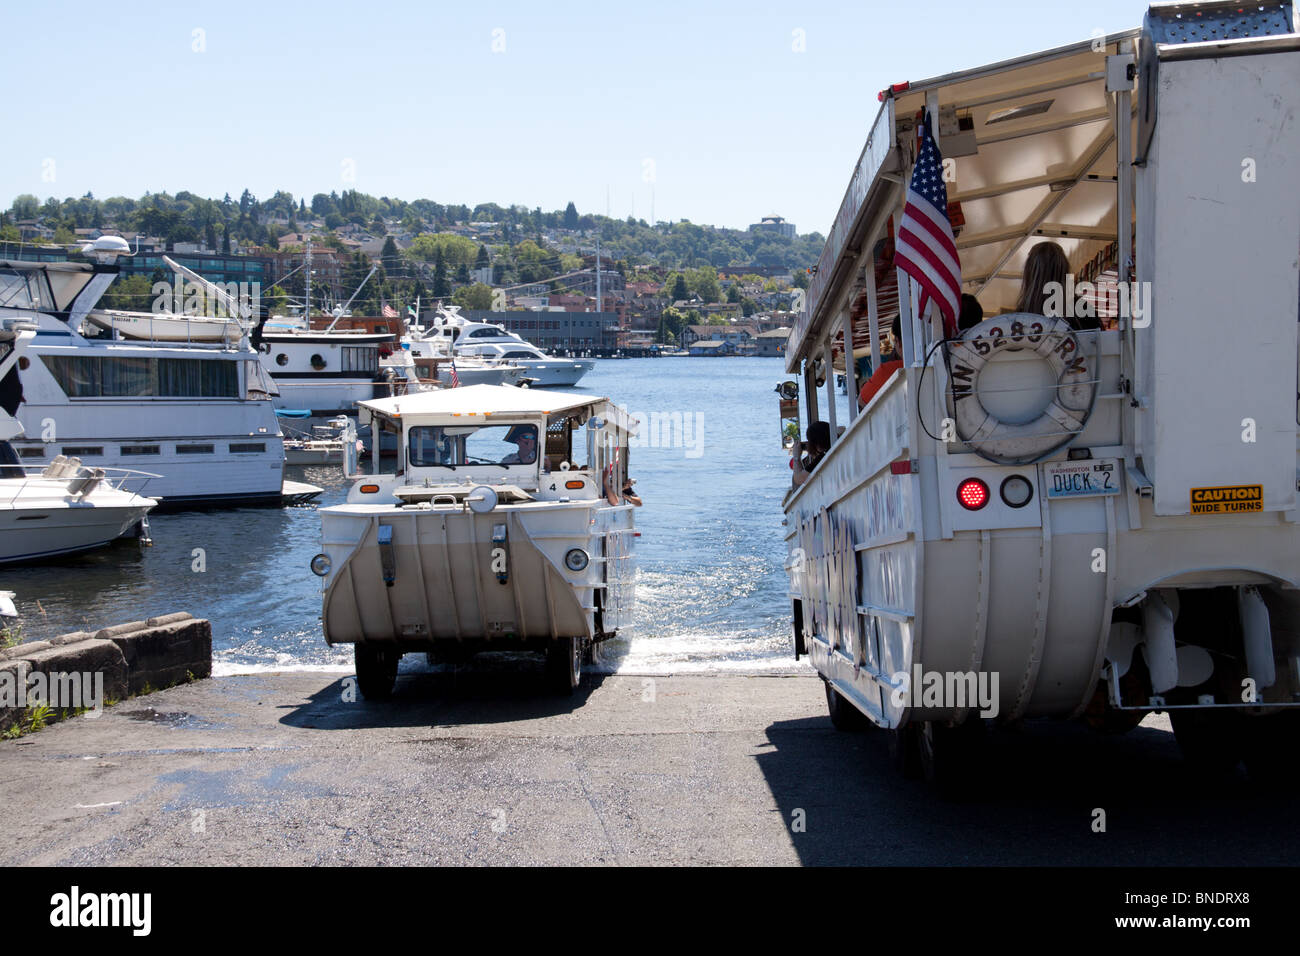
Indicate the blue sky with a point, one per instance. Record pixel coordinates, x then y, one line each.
581 102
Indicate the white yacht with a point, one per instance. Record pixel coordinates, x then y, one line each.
324 372
431 357
199 415
494 343
63 507
503 528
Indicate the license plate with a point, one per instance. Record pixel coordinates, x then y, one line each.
1082 479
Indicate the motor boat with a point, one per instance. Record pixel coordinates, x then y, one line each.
431 353
63 507
502 528
482 340
323 445
167 326
199 415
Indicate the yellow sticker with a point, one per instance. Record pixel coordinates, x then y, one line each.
1227 500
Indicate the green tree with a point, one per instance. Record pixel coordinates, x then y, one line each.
389 256
671 322
130 294
441 287
25 206
276 299
570 216
455 250
476 296
704 283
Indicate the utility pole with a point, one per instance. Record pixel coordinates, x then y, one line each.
306 304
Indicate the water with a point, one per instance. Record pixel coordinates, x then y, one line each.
711 592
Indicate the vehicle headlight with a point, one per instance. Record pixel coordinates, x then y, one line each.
576 559
321 565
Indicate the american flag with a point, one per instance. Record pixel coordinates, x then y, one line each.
389 311
455 379
925 247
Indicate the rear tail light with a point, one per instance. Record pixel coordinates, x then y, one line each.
1016 491
973 494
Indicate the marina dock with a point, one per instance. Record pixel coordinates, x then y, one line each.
666 770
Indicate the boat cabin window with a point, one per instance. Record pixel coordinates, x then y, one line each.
452 445
361 358
95 377
25 290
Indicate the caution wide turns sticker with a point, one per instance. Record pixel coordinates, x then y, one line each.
1227 500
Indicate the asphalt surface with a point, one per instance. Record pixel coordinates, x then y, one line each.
488 769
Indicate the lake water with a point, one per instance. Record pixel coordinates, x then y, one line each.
711 590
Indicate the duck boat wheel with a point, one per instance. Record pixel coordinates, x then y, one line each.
1087 511
498 531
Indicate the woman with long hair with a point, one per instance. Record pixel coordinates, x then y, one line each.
1045 264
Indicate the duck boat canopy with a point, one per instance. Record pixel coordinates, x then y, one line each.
462 420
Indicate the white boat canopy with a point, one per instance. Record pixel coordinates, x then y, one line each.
487 401
1033 140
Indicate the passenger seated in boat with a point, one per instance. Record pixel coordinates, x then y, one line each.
629 495
890 362
524 437
818 444
1046 269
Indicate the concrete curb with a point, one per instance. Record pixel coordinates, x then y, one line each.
117 662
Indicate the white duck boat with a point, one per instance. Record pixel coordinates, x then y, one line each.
481 540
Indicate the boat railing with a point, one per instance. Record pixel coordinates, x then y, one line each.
80 481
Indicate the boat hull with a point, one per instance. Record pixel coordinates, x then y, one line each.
440 583
160 327
37 532
556 373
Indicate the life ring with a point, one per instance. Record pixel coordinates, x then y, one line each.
1055 342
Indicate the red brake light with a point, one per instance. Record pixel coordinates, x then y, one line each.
973 494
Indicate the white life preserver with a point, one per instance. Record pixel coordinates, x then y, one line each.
1076 384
